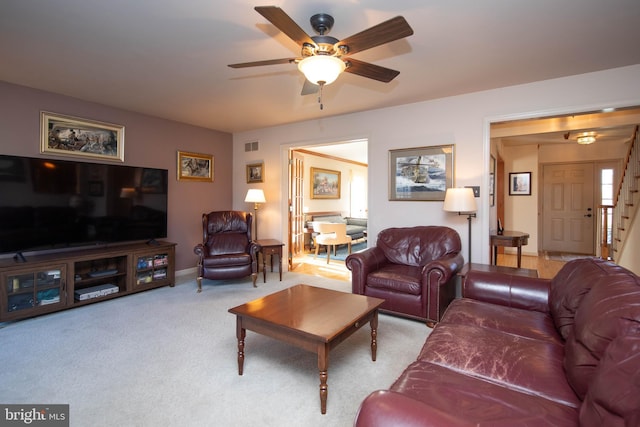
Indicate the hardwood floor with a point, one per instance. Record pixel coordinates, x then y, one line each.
304 264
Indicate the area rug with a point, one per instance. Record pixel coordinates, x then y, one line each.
564 257
168 357
342 252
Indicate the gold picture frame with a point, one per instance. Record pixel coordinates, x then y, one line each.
195 167
325 184
255 173
74 136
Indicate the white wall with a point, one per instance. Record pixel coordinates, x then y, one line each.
521 212
460 120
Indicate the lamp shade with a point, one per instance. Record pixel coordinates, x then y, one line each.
255 195
321 68
459 200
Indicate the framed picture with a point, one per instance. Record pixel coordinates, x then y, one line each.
520 183
422 173
492 181
73 136
325 184
195 167
255 173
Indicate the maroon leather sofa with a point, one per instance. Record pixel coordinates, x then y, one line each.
412 268
519 351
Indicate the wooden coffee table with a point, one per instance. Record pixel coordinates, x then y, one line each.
314 319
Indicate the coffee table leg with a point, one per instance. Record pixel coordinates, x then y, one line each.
374 335
323 365
240 333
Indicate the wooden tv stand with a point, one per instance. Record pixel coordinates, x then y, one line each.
58 281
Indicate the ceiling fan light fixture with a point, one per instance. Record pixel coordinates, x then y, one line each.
586 140
321 68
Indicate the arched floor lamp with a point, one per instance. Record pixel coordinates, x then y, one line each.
255 196
461 200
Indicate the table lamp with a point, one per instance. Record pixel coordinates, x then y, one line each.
461 200
255 196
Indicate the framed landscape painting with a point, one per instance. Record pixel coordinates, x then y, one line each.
325 184
195 167
73 136
420 174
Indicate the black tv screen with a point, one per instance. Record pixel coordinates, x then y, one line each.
48 204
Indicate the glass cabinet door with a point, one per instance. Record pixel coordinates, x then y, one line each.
30 290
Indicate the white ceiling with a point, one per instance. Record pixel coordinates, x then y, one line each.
168 58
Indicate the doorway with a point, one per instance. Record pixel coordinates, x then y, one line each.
543 141
349 161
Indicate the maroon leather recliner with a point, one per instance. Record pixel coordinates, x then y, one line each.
413 269
226 251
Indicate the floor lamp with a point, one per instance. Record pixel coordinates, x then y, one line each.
255 196
461 200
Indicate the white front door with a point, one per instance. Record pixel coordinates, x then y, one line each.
568 211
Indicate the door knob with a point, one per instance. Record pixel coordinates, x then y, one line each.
588 215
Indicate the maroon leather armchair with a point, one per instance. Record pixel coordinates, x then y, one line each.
413 269
226 251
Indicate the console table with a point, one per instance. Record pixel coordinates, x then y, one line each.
270 247
51 282
512 239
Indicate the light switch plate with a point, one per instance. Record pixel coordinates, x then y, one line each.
475 188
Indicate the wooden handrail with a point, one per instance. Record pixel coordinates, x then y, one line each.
624 166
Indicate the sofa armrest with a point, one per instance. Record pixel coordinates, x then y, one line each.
446 266
523 292
199 250
363 263
388 408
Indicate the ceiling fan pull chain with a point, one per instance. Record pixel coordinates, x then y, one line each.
321 83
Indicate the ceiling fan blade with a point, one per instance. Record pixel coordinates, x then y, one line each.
267 62
309 88
371 71
385 32
284 23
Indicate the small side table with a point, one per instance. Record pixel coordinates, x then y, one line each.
270 247
513 239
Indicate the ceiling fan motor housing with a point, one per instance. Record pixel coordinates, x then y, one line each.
321 23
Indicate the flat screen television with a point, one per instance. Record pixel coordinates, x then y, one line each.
50 204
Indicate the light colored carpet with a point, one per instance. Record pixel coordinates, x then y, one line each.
167 357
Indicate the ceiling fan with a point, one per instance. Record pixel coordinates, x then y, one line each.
323 57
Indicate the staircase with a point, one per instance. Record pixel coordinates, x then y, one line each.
626 201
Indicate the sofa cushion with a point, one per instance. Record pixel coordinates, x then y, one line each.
397 278
477 401
521 364
417 246
360 222
610 309
570 285
523 323
610 401
329 218
227 243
